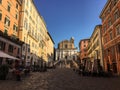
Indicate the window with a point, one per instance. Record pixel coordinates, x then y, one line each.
16 6
18 52
8 8
116 15
109 22
25 24
28 49
66 46
84 45
2 45
0 16
105 40
29 27
28 57
32 44
16 16
111 36
5 31
15 28
104 28
118 29
115 1
24 39
119 48
0 1
109 9
10 49
23 48
7 21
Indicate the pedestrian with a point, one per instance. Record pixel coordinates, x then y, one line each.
18 75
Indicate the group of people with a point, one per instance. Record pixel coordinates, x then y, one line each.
18 70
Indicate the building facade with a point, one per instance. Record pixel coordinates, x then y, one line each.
95 51
9 23
110 17
20 20
9 16
66 50
11 47
50 49
34 33
83 48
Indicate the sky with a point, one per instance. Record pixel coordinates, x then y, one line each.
70 18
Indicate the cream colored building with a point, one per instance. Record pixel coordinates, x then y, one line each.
33 32
95 50
66 50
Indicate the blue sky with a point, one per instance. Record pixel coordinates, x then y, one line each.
70 18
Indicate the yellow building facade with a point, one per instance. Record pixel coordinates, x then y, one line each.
95 50
33 32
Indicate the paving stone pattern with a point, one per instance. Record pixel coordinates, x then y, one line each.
61 79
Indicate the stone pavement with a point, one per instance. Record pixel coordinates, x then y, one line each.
61 79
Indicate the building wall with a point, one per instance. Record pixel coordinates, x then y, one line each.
9 22
83 48
29 27
110 16
66 44
11 25
33 31
66 50
10 47
95 50
50 48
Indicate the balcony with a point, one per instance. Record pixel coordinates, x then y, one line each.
32 35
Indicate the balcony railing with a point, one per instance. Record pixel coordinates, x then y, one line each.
33 35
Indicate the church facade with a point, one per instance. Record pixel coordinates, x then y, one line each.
66 50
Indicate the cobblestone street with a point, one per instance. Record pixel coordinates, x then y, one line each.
61 79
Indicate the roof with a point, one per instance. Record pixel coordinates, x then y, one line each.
51 37
95 29
108 1
83 40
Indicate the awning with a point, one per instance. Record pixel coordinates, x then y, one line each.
5 55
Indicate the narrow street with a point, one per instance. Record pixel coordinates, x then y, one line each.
61 79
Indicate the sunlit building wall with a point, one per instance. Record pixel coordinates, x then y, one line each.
95 50
9 16
33 32
50 48
9 27
83 48
110 17
66 50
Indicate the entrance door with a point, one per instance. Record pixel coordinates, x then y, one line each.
114 65
66 57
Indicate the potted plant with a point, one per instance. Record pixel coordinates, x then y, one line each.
3 71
